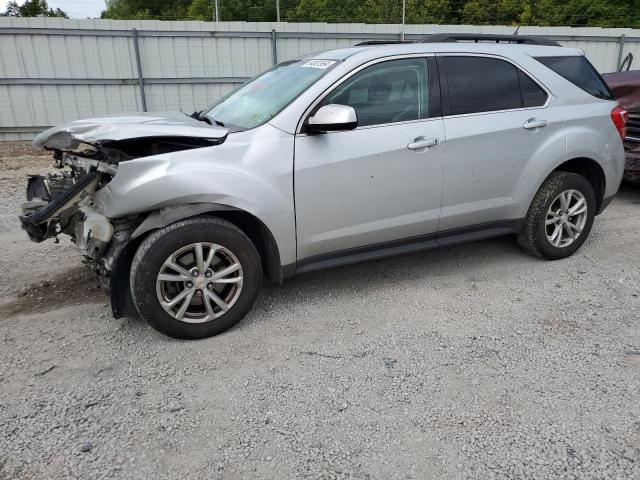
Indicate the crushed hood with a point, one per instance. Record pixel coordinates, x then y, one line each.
143 125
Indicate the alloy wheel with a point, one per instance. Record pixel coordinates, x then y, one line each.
566 218
199 282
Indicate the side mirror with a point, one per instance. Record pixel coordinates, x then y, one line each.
333 118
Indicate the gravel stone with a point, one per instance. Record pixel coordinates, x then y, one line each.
86 447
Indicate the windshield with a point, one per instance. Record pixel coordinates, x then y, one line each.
263 97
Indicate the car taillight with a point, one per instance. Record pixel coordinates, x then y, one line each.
620 116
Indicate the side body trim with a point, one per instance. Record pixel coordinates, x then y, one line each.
404 246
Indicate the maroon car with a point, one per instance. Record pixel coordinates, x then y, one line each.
626 88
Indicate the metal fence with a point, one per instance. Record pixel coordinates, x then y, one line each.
55 70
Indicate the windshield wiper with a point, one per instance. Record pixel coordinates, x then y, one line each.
198 116
203 118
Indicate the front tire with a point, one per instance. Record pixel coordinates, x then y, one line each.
560 217
195 278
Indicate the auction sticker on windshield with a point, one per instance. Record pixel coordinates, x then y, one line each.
319 63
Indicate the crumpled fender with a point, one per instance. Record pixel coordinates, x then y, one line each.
168 215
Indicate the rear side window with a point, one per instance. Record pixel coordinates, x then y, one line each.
480 84
580 72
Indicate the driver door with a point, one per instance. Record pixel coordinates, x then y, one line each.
381 183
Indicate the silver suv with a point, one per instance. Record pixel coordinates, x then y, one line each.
333 158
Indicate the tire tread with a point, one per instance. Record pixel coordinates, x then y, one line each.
138 264
527 237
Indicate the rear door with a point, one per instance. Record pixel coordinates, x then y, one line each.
497 120
381 182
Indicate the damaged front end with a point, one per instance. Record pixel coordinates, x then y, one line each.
55 202
87 155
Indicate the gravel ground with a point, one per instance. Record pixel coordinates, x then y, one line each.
470 362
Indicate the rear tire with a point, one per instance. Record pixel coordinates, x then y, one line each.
552 228
207 266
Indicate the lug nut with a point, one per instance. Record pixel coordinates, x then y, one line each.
189 284
198 292
210 286
195 272
208 274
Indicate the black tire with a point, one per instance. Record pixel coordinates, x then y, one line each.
159 245
533 237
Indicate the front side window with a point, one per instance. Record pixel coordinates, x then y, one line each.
263 97
387 92
479 84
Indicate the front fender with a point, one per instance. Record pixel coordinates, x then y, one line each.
252 171
168 215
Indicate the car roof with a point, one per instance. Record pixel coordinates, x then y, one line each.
370 52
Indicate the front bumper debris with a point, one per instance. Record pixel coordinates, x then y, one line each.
46 214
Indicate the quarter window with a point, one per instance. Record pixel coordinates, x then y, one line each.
387 92
532 94
580 72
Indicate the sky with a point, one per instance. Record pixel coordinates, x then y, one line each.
73 8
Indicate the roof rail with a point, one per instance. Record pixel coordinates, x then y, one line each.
380 42
487 37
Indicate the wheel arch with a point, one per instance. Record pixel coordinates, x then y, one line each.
592 171
264 241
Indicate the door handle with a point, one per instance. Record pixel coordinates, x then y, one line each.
533 123
421 142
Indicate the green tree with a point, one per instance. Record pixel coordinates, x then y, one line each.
604 13
39 8
201 10
431 11
256 10
373 11
490 12
12 10
378 11
333 11
146 9
587 13
248 10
